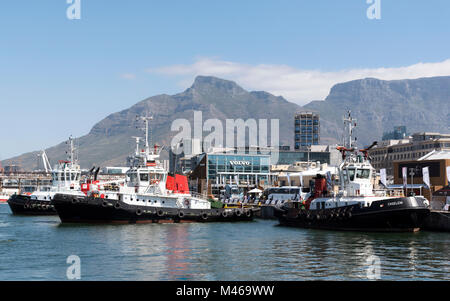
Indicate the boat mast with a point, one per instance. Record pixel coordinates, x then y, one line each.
349 125
148 140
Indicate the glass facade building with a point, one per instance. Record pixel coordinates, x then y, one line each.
290 157
307 129
221 167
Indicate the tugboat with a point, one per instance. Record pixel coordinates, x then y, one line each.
65 178
356 206
146 195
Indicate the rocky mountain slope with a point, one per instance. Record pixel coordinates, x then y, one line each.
420 104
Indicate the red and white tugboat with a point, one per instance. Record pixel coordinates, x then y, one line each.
356 206
147 195
65 178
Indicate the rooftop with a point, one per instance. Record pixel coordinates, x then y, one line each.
436 155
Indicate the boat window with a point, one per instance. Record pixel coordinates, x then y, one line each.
133 177
144 177
362 173
72 176
351 174
61 177
156 176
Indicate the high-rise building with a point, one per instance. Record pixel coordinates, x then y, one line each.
307 129
398 133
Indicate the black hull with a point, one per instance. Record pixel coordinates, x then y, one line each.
72 209
379 217
24 205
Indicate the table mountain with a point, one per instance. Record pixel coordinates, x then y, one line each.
420 104
109 142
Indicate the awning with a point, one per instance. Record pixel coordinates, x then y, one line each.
256 190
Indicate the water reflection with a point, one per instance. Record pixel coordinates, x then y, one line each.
244 251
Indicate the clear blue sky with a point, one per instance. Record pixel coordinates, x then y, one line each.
59 77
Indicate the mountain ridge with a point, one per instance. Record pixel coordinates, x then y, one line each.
377 104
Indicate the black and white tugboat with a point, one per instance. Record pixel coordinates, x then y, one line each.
356 206
65 178
147 195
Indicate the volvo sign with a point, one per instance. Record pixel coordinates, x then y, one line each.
240 163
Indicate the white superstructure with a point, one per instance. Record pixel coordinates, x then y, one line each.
145 182
66 177
356 177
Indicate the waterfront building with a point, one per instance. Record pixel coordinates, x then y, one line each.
436 161
316 153
386 153
301 173
307 129
246 168
117 170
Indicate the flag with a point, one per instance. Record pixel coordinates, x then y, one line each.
383 177
405 176
426 176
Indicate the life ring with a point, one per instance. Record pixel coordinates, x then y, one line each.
238 213
224 214
180 214
187 202
160 213
26 206
204 216
348 215
249 213
105 204
74 201
138 212
117 205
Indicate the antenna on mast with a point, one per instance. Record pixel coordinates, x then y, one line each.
148 133
350 124
138 140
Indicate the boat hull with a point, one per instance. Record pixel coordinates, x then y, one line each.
406 215
24 205
73 209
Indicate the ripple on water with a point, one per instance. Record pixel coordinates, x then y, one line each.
222 251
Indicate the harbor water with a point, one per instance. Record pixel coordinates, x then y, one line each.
37 248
